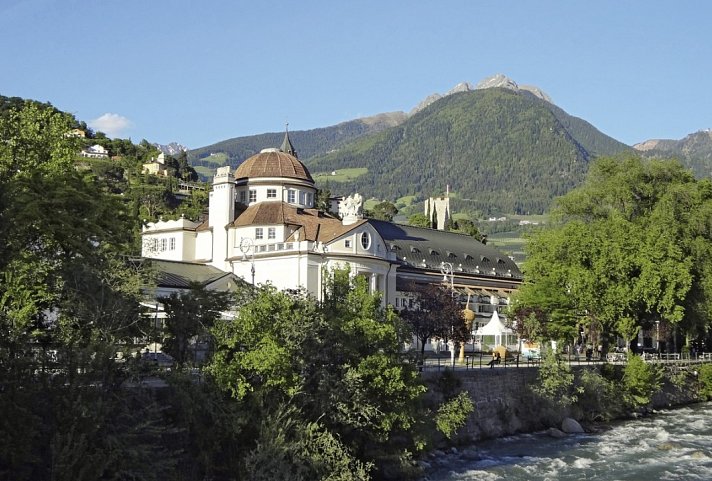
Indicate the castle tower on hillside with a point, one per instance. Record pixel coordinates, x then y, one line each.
438 208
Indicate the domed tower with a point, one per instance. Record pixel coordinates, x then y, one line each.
275 175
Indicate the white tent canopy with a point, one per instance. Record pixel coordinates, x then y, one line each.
495 328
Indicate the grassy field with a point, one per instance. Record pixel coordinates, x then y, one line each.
216 159
341 175
511 243
206 172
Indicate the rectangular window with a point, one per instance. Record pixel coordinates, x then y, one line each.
303 198
258 233
253 196
292 196
243 196
271 193
271 233
347 243
163 244
172 244
310 200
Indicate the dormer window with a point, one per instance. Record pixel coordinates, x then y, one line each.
292 196
347 243
365 240
253 195
243 196
271 193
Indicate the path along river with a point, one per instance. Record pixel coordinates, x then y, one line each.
671 445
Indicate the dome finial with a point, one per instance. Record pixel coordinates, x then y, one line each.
286 143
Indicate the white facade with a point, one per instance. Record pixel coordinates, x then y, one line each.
262 226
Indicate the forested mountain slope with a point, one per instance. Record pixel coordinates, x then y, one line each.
694 151
307 142
499 150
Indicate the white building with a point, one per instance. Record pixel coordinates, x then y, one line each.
263 226
95 152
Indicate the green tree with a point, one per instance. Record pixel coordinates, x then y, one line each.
68 305
436 313
189 317
625 251
419 220
383 211
338 362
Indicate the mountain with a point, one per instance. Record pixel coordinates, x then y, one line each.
174 148
501 150
694 151
502 147
307 142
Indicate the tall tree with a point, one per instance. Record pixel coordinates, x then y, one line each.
436 314
190 316
68 303
626 252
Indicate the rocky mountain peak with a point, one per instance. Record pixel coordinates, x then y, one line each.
496 81
502 81
174 148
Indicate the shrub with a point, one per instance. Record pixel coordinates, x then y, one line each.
599 399
640 381
555 381
705 378
453 414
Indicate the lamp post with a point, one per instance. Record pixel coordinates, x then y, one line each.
247 245
657 336
446 269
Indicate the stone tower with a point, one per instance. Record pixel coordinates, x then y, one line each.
440 208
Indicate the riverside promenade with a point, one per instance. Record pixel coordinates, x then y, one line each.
480 360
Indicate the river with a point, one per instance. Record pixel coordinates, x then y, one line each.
669 446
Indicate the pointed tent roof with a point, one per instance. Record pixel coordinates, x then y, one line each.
494 327
287 144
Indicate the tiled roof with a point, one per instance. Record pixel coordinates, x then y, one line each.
273 164
315 226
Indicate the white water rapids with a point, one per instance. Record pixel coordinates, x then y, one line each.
669 446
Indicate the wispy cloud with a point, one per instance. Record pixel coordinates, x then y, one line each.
113 125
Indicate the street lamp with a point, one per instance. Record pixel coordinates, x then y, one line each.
247 245
657 336
446 269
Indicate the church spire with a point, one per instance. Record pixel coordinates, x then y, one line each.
287 144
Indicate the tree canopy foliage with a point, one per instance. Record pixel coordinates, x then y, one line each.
629 248
337 367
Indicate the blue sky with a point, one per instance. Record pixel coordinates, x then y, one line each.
198 72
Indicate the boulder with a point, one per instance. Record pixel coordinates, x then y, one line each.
555 433
571 426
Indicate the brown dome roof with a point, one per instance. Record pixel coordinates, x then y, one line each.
273 163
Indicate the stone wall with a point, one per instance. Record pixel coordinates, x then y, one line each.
505 404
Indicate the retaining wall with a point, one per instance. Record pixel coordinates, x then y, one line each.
505 404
